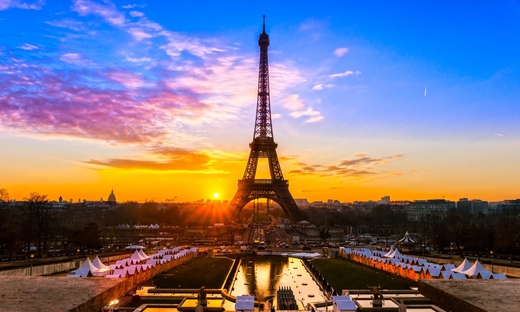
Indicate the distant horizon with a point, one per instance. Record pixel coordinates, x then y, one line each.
220 200
157 99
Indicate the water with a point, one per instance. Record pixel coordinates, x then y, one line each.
262 276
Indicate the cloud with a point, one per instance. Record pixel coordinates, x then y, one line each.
172 159
112 98
139 34
76 59
72 104
108 11
297 108
138 60
360 166
314 119
136 14
346 73
307 112
17 4
339 52
293 102
320 86
129 6
68 23
29 47
128 79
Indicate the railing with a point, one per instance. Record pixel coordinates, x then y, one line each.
263 181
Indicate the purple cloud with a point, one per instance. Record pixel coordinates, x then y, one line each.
360 166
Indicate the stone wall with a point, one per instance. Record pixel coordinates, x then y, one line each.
52 268
128 284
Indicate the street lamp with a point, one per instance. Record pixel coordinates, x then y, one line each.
491 253
32 257
422 245
77 252
451 253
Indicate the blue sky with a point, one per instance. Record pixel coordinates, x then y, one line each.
410 99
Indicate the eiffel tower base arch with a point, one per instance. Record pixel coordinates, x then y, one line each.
277 191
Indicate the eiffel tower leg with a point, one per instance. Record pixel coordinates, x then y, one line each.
238 202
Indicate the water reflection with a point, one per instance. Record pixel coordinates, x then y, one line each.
262 276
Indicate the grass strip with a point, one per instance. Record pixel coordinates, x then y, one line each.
346 274
209 272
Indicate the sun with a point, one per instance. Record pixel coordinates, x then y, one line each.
215 195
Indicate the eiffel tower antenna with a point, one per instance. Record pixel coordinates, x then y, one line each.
263 146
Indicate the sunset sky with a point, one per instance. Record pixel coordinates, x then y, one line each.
157 99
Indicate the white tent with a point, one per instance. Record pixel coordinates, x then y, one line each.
85 270
406 239
395 254
143 255
463 266
98 264
392 249
457 276
136 257
445 275
118 273
448 267
133 269
474 270
484 275
498 276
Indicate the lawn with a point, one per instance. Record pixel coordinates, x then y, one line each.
345 274
209 272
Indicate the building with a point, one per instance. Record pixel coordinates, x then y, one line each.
508 204
418 209
112 198
472 207
385 200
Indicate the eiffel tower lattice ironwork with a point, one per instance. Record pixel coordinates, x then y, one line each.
263 146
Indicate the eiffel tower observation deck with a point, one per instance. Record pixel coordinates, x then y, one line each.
263 146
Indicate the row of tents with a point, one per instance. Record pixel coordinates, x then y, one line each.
136 263
417 268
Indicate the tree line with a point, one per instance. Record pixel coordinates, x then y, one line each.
450 231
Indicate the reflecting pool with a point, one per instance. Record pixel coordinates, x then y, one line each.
262 276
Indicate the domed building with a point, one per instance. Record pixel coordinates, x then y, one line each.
112 198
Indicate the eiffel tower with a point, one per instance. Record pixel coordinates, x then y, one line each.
263 146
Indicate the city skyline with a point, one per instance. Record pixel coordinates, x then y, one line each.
157 100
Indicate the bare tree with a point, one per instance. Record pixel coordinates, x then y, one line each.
7 226
4 197
37 221
507 234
